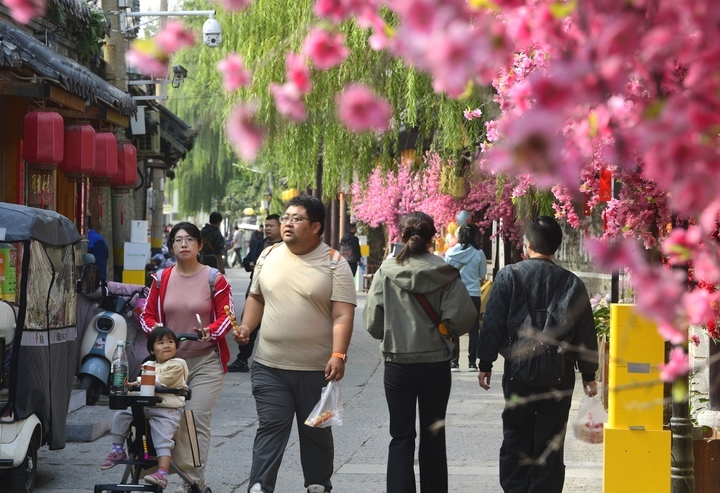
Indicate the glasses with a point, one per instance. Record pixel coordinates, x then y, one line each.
179 240
292 219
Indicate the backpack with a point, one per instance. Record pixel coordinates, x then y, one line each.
347 251
537 359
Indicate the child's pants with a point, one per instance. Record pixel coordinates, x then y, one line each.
164 423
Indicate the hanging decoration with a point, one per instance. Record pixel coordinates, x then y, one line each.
127 167
79 156
44 137
106 157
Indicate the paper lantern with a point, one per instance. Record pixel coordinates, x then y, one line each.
79 158
127 166
44 137
106 152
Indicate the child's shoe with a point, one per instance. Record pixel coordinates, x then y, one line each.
158 477
111 458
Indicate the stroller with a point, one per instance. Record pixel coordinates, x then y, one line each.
140 448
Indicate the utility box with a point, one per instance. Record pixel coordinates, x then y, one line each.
636 391
636 448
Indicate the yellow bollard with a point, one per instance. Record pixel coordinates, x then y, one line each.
636 448
133 277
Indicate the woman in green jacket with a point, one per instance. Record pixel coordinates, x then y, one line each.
413 299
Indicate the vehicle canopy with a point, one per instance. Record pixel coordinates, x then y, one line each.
37 283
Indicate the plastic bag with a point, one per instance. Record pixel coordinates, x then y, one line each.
590 421
328 411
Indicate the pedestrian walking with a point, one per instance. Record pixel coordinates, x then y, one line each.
272 237
350 248
470 260
304 294
213 243
164 418
237 246
537 290
413 299
99 248
179 296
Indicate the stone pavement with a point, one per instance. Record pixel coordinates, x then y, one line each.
474 435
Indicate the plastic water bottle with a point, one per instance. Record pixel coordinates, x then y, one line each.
119 371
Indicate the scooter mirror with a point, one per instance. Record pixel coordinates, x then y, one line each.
89 279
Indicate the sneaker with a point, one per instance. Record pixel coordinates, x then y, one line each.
238 366
159 478
111 459
256 488
316 488
472 367
454 366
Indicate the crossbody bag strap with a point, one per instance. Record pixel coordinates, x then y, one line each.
432 314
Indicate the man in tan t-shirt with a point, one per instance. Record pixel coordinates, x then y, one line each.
305 296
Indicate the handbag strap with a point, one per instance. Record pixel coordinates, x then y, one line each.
432 314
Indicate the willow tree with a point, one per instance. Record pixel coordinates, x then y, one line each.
262 35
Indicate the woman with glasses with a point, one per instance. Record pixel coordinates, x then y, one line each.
191 297
413 299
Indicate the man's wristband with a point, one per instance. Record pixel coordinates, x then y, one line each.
342 356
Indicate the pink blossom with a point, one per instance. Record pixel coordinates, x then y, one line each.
147 62
338 10
472 114
244 133
695 339
174 36
700 305
325 49
360 110
671 333
298 72
235 5
681 243
678 365
23 11
289 101
233 72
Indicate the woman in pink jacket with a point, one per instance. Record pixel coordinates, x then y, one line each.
179 295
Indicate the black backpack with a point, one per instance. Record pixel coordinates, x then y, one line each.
536 358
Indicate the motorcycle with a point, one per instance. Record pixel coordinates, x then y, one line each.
114 309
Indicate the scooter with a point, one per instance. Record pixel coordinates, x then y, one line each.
119 303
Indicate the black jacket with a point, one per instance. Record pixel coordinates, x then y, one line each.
213 244
354 243
506 311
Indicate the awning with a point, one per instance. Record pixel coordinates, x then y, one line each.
18 48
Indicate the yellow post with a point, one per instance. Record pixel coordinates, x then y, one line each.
636 448
133 277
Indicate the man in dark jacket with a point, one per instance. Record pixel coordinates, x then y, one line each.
272 236
213 243
350 248
531 456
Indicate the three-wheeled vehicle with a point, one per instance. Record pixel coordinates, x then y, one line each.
38 336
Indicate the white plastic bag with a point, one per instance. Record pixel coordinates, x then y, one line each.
590 421
328 411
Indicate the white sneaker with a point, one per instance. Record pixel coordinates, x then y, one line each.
316 488
256 488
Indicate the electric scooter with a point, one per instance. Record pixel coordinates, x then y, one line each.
118 304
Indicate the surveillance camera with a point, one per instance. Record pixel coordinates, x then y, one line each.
212 33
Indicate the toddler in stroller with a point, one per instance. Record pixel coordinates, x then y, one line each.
163 414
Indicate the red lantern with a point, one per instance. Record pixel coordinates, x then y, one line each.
127 166
44 137
79 159
106 166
